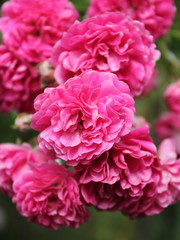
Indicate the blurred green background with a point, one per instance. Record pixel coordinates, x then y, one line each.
104 225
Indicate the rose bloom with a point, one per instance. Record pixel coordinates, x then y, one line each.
131 178
157 15
172 96
19 82
31 28
126 178
14 160
84 117
170 164
49 196
107 43
168 125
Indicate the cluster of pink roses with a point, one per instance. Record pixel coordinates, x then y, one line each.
157 15
86 121
29 31
44 191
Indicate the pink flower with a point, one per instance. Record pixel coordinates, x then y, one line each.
31 28
140 185
108 43
49 196
132 185
13 159
168 125
172 96
84 118
19 82
170 165
157 15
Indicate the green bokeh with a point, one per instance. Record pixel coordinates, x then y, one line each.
104 225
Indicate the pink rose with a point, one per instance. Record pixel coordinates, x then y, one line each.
168 125
107 43
13 160
19 82
157 15
83 118
126 178
172 96
31 28
140 185
49 196
170 164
